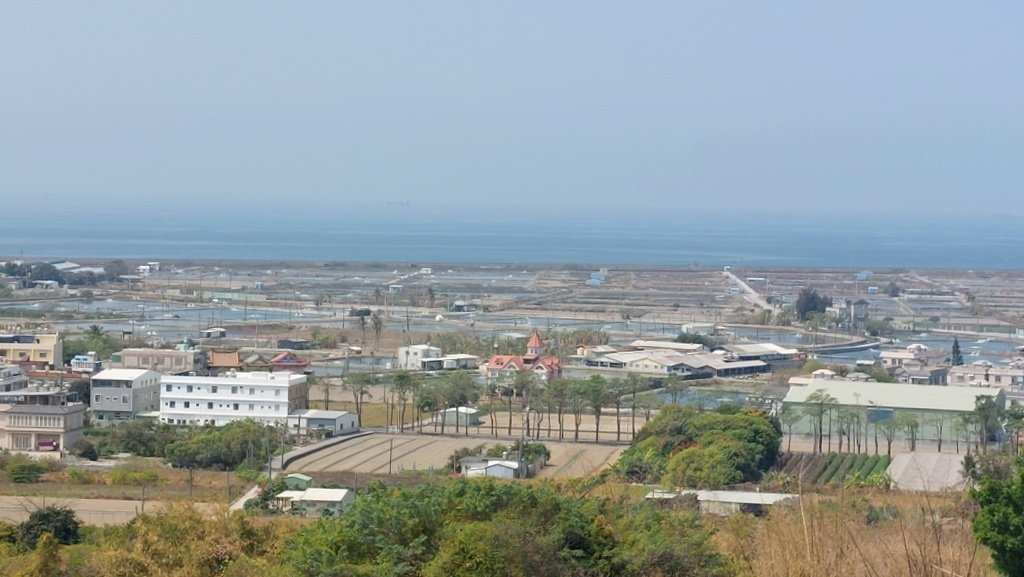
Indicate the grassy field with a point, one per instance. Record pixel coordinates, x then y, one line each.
171 485
374 414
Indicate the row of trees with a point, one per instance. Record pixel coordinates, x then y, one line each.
856 429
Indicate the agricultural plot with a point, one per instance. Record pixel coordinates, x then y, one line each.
833 468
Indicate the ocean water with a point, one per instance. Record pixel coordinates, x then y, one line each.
517 236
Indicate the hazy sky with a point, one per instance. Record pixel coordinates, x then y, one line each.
663 108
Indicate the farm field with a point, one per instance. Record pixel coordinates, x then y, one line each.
374 454
832 468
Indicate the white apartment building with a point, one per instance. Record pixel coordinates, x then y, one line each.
261 396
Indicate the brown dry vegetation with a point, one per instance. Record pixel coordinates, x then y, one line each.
173 485
858 533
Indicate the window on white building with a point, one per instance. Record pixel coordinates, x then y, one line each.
213 389
209 405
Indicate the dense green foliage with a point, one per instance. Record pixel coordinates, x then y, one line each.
142 438
809 302
488 527
60 522
686 447
236 444
999 523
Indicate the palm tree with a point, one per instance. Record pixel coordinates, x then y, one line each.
402 386
95 332
378 326
362 327
359 385
595 394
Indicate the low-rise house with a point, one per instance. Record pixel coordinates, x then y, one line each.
289 362
87 363
986 374
496 468
297 482
223 361
408 358
121 394
40 419
294 344
642 345
462 416
326 423
213 333
912 356
451 363
177 361
319 502
503 368
727 503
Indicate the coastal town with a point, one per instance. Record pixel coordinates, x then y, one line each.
191 345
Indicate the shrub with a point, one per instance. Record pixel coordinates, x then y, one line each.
60 522
124 476
83 449
25 472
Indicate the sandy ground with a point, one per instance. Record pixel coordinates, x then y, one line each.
380 453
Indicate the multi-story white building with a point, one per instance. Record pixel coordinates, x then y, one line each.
121 394
264 397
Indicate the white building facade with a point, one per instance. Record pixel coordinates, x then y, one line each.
264 397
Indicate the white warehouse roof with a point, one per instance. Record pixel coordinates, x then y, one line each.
893 395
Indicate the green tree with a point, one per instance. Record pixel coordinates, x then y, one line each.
999 524
809 301
595 392
60 522
818 405
956 357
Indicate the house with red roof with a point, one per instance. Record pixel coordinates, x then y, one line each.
290 362
505 367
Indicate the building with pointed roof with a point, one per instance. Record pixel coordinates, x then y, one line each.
504 367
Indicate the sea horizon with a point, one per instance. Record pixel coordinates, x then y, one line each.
401 234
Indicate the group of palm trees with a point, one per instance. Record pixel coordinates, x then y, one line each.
554 409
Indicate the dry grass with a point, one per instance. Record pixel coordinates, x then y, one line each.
858 533
375 415
173 485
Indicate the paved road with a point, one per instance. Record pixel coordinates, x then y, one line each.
752 296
